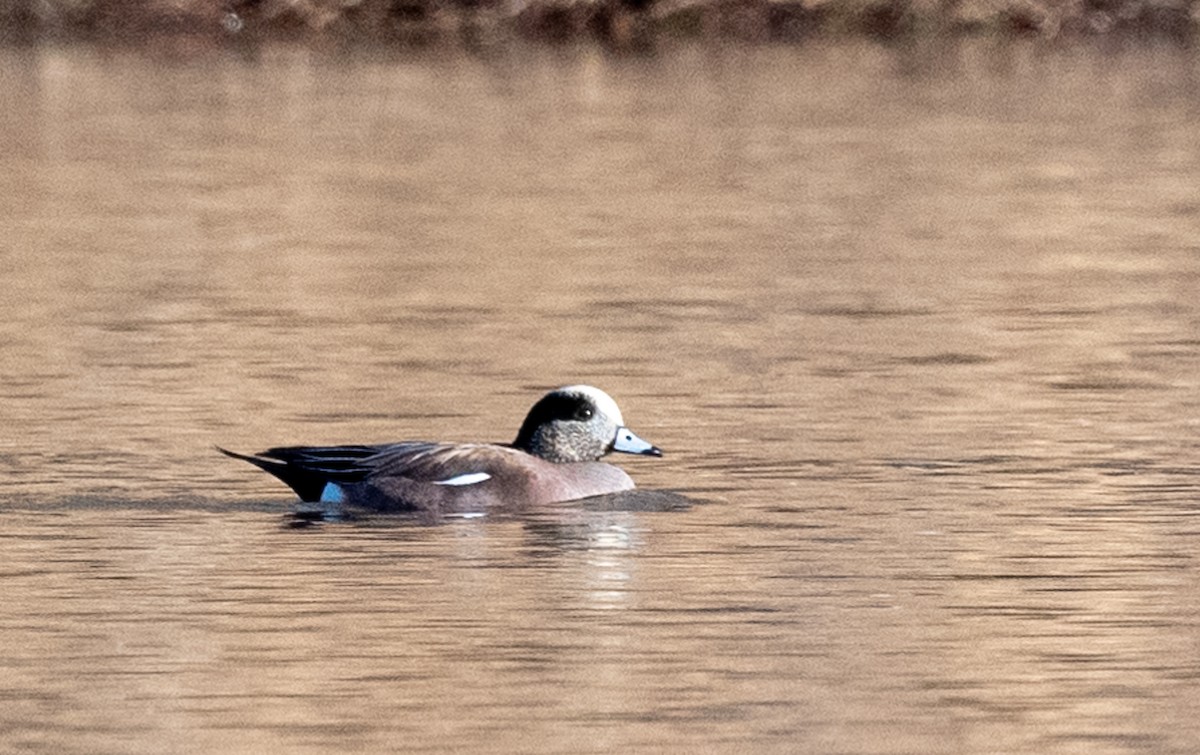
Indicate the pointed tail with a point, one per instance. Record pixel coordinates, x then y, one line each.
307 484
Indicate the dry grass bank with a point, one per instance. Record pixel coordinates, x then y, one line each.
615 21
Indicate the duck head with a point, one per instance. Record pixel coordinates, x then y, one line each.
578 423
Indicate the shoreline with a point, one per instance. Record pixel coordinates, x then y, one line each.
621 23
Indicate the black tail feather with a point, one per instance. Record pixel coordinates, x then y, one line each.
343 463
308 485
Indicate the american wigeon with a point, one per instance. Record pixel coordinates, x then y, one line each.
554 458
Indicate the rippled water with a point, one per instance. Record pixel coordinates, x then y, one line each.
919 330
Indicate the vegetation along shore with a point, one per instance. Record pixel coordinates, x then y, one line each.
624 22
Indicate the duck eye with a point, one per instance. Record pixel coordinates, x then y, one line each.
583 413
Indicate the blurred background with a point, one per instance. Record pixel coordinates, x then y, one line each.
907 292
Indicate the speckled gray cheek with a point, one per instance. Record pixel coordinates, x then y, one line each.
565 442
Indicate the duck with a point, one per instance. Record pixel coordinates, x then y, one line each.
554 458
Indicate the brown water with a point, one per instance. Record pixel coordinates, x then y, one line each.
919 330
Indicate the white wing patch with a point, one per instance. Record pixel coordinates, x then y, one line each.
471 478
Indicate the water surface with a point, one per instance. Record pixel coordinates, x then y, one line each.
917 329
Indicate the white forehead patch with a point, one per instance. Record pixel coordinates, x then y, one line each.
602 400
